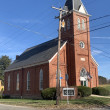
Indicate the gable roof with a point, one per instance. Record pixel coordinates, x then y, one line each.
75 5
94 60
35 55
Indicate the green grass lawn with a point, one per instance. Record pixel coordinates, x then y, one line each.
107 86
78 103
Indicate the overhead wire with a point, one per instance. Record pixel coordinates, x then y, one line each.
39 15
30 27
77 39
94 29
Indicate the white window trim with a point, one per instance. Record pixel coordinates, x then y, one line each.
28 80
8 82
86 83
78 23
41 79
84 78
83 24
83 44
17 82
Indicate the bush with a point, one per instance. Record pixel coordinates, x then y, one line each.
5 96
100 91
84 91
49 94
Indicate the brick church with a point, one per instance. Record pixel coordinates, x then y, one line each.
35 69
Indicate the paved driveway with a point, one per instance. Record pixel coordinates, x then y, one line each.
11 107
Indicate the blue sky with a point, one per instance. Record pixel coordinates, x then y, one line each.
38 16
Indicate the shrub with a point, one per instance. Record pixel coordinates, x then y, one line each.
84 91
6 96
100 91
49 94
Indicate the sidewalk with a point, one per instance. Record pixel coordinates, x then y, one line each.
100 96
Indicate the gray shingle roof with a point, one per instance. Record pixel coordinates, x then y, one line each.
74 4
36 54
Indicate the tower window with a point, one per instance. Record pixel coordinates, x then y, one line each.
78 23
65 27
68 24
83 72
82 45
83 77
83 24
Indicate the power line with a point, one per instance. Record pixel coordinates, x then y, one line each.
35 32
86 32
101 17
83 32
92 30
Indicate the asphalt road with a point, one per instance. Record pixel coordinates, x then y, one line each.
11 107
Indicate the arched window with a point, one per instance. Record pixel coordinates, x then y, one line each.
8 82
83 77
65 27
17 82
41 80
83 24
78 22
28 80
68 24
83 72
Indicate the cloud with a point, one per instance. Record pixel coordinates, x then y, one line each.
100 37
96 52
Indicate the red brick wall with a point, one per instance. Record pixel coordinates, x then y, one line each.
75 53
34 81
53 69
70 62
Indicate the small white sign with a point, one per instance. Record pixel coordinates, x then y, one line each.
83 59
68 92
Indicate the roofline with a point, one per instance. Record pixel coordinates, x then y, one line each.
94 60
84 6
57 52
26 66
81 13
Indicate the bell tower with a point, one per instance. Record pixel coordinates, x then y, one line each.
76 32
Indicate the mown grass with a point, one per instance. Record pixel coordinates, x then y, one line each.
83 102
106 86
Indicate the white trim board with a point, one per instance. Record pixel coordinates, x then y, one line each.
57 52
94 60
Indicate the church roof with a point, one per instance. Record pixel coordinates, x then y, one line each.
35 55
76 5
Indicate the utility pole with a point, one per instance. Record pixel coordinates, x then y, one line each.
61 24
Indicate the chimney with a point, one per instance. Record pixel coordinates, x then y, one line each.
17 56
